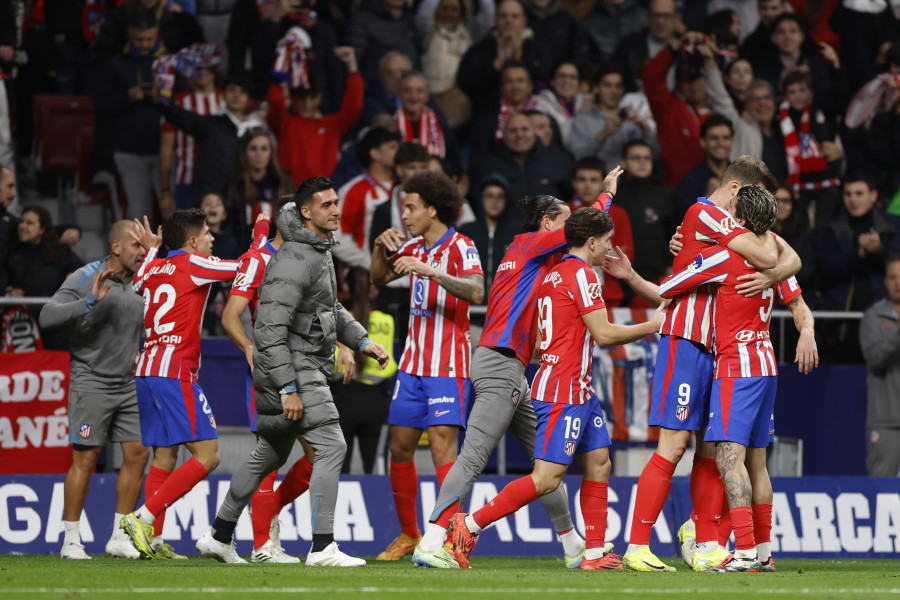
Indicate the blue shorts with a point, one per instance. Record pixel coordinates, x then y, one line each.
564 430
173 412
251 403
681 383
742 410
422 402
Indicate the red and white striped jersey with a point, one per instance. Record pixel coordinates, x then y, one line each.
251 271
437 343
568 292
359 197
185 153
742 343
690 315
175 290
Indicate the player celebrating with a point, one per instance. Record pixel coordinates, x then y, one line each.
173 409
103 314
571 316
433 386
741 412
498 374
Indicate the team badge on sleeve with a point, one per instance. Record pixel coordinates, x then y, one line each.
470 258
569 448
515 396
84 431
681 413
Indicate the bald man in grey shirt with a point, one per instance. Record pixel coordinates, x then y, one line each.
105 320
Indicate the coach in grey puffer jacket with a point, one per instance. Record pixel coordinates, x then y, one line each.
299 318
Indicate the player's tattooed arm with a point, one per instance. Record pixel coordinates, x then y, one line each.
469 287
730 460
807 357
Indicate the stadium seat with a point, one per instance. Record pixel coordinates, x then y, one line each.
102 188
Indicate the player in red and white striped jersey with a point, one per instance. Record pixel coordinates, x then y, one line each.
433 386
178 150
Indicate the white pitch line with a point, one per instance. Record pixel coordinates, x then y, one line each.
403 590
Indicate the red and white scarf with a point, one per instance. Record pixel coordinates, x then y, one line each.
506 111
804 155
430 134
291 64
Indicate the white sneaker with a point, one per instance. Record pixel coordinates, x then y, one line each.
270 553
226 553
74 552
121 547
332 557
275 533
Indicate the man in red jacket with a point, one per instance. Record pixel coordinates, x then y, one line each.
309 142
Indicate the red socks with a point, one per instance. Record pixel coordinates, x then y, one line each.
442 471
724 530
514 496
594 510
405 484
762 523
262 508
296 481
653 488
742 520
155 478
706 494
179 483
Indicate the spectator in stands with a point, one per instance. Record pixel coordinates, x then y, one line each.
37 264
361 195
587 181
483 66
790 226
717 138
218 136
515 97
811 149
348 165
309 142
879 337
738 75
7 51
866 30
444 42
492 234
128 98
322 61
544 130
650 206
9 223
663 24
601 30
724 26
530 168
378 28
178 151
479 17
554 29
561 100
383 95
852 248
256 186
217 219
416 121
603 130
758 45
177 29
678 115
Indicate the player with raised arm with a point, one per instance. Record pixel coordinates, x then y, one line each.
498 374
571 317
433 388
741 411
173 409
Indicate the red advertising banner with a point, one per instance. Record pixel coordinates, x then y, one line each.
34 406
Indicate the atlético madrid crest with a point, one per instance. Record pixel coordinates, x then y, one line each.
515 395
84 431
569 448
681 413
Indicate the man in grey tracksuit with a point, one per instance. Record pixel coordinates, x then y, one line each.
105 321
298 323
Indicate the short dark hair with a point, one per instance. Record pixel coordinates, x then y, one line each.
750 170
410 152
860 176
242 79
513 64
181 225
716 121
586 223
756 206
142 20
589 163
795 77
276 210
633 143
786 16
536 207
374 138
607 69
306 190
439 191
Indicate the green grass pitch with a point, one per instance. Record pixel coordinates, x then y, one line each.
31 576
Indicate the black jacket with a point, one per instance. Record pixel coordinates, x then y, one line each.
600 31
490 251
177 30
555 33
373 32
652 213
480 81
629 54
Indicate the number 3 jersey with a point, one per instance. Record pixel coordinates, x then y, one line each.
569 291
742 345
437 344
175 289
